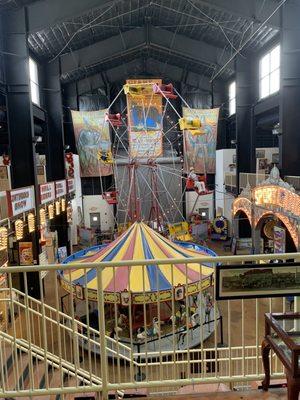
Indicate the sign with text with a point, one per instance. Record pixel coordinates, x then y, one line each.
71 185
60 188
47 192
20 200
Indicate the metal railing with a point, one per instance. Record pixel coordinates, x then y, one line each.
294 181
245 179
66 344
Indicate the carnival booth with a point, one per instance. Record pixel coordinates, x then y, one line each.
146 295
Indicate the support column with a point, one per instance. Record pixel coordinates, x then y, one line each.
55 157
245 149
289 144
20 116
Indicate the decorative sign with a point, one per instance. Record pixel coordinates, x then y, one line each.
242 204
20 200
278 198
47 192
279 239
71 185
60 188
25 253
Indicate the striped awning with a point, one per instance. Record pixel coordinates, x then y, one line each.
140 242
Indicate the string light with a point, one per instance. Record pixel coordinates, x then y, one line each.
31 222
19 229
57 207
51 211
69 214
63 205
42 216
3 238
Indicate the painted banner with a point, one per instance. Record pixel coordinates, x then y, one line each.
200 150
279 240
92 138
144 120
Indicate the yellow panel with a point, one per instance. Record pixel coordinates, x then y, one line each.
136 272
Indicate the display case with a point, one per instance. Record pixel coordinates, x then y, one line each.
282 335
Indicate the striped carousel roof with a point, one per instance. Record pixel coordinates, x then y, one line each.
140 242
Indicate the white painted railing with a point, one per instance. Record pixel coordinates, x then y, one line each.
245 179
45 349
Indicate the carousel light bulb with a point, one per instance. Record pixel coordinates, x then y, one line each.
63 205
19 229
42 216
31 222
3 238
57 207
51 211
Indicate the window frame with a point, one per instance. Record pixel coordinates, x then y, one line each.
34 81
271 72
232 99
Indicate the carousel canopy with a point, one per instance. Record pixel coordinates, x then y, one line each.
140 242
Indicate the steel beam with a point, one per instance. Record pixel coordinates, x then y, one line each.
44 14
105 50
153 67
102 51
252 10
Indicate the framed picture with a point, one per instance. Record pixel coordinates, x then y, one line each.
79 292
260 153
125 298
179 293
257 280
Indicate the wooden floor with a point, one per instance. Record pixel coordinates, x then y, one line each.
278 394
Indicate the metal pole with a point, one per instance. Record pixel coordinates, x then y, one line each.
101 321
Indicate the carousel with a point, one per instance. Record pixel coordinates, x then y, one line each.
147 306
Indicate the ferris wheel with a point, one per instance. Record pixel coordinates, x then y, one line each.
151 169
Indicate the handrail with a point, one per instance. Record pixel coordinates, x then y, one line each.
131 263
67 317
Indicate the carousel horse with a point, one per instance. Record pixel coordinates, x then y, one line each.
115 332
122 320
153 331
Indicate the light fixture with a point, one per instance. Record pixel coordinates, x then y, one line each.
42 216
3 238
63 205
57 207
277 131
69 214
51 211
31 222
19 229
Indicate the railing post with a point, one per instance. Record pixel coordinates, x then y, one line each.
102 333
